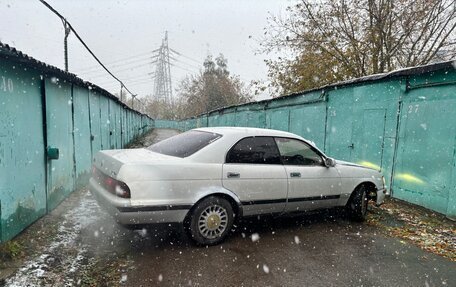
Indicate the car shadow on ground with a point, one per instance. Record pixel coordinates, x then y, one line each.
163 236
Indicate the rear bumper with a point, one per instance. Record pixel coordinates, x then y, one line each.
126 214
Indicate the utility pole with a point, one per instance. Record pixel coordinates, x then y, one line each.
162 84
67 29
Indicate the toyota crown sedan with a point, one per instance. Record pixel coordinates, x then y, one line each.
207 178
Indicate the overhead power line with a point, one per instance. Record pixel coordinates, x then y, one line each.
180 54
98 75
119 64
150 53
140 81
70 27
149 76
180 67
132 82
185 63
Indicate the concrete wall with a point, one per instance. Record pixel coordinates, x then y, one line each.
402 123
43 107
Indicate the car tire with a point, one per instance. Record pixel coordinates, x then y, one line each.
210 221
357 205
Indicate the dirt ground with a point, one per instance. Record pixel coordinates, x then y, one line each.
79 244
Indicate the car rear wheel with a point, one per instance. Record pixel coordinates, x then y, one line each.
357 205
211 221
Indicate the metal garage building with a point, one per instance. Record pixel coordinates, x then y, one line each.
42 107
402 122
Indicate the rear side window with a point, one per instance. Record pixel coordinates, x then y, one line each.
185 144
254 150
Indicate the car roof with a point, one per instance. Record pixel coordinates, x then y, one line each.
216 151
246 131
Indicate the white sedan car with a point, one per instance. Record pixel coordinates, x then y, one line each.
207 178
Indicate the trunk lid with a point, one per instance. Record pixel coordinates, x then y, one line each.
110 161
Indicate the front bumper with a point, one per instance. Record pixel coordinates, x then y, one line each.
381 193
126 214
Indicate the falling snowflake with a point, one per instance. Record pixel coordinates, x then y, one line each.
142 232
265 268
297 241
255 237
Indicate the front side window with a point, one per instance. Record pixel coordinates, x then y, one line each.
185 144
254 150
296 152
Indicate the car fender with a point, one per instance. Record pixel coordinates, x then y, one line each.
354 183
218 190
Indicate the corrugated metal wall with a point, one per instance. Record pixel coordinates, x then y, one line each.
22 152
40 110
403 124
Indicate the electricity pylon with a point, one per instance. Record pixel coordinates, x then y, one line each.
162 85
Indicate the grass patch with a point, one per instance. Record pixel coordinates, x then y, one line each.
10 250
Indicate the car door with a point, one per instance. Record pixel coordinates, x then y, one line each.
253 171
311 185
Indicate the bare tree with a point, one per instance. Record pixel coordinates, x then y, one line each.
354 38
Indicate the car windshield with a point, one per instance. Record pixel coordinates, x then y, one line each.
185 144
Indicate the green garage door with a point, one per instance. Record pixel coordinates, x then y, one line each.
59 124
367 137
426 146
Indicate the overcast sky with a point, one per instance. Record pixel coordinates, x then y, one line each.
123 33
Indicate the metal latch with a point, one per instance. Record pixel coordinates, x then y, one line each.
52 153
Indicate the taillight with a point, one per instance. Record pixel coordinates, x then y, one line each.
112 185
122 189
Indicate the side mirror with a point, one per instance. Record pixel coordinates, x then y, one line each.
330 162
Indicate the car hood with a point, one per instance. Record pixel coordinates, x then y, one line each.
347 163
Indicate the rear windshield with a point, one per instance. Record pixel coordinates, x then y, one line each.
185 144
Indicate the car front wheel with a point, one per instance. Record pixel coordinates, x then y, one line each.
211 221
357 205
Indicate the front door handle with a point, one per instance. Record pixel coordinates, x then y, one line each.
295 174
233 175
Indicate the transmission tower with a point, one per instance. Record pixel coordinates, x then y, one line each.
162 84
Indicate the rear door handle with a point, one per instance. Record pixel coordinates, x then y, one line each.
295 174
233 175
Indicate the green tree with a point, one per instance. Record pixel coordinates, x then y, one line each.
214 87
333 40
